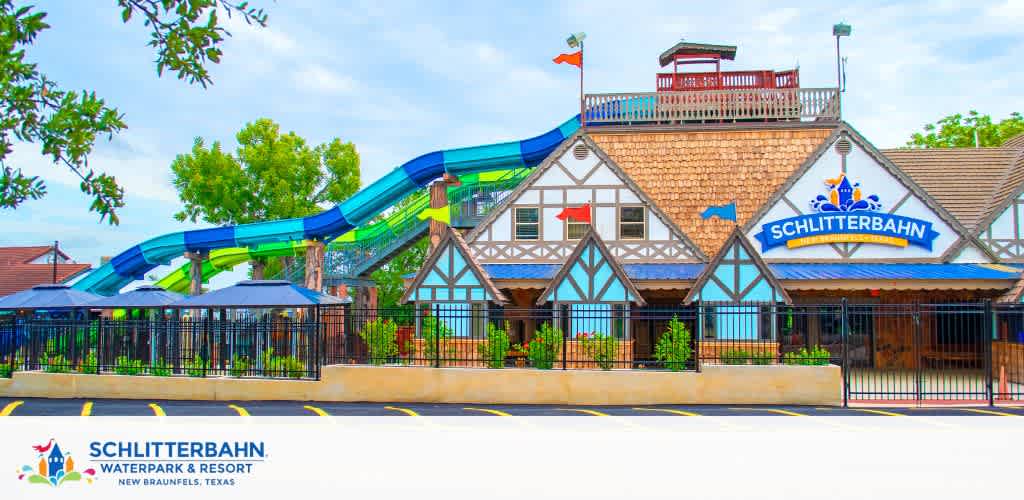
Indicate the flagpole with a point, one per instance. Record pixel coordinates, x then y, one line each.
583 116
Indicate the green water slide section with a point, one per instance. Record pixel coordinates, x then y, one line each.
225 259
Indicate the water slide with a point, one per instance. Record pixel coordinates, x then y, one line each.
133 263
225 259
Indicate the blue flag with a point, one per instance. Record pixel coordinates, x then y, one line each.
725 212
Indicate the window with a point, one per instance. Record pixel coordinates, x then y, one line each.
631 223
527 222
574 229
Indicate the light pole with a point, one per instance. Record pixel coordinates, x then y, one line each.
838 31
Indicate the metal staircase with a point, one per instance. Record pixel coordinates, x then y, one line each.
352 262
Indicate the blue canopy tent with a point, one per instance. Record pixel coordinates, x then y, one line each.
51 300
259 294
151 340
143 297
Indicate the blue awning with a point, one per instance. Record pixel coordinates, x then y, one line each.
258 294
893 272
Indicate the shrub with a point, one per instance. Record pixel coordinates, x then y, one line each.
673 347
495 348
282 366
90 364
436 333
734 357
762 358
381 337
196 367
545 346
161 369
814 356
239 366
54 363
601 348
6 370
124 365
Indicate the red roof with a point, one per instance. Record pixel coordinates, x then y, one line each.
16 274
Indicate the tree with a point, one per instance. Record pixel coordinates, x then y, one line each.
186 35
958 131
270 176
388 278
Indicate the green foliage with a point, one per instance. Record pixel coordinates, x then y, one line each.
734 357
186 33
55 363
958 131
124 365
90 364
436 334
161 369
762 358
388 278
600 347
673 347
284 366
196 367
495 348
66 124
6 370
814 356
545 347
239 365
270 176
381 337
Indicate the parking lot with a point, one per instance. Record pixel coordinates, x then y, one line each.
157 408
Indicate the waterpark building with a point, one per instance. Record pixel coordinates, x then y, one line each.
739 191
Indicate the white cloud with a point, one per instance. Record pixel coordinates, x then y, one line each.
316 78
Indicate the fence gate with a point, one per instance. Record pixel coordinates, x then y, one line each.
919 352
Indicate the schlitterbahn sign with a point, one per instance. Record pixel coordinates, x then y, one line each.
845 217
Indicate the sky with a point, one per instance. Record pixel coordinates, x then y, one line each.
400 79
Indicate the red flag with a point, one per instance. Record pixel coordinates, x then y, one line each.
575 59
579 214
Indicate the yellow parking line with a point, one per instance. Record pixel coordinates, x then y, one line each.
990 412
786 412
157 410
588 412
316 410
242 412
87 408
879 412
667 410
488 410
403 410
6 412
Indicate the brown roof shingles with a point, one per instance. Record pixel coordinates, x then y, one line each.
968 182
684 172
17 277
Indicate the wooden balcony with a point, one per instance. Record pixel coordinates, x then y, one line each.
728 80
713 106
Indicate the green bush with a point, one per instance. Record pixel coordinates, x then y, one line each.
601 348
55 363
6 370
161 369
436 334
196 367
239 366
734 357
814 356
762 358
381 337
545 347
90 364
495 348
282 366
673 347
124 365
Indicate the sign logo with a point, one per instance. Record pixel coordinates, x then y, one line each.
846 216
53 466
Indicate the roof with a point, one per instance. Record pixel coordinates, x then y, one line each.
737 238
48 297
724 51
995 174
686 171
23 255
458 244
260 293
861 271
851 271
589 239
1015 142
143 296
18 277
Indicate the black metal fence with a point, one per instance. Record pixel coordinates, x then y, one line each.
274 347
888 352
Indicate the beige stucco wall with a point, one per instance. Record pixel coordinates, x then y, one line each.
812 385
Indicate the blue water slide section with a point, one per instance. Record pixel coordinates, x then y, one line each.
136 261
